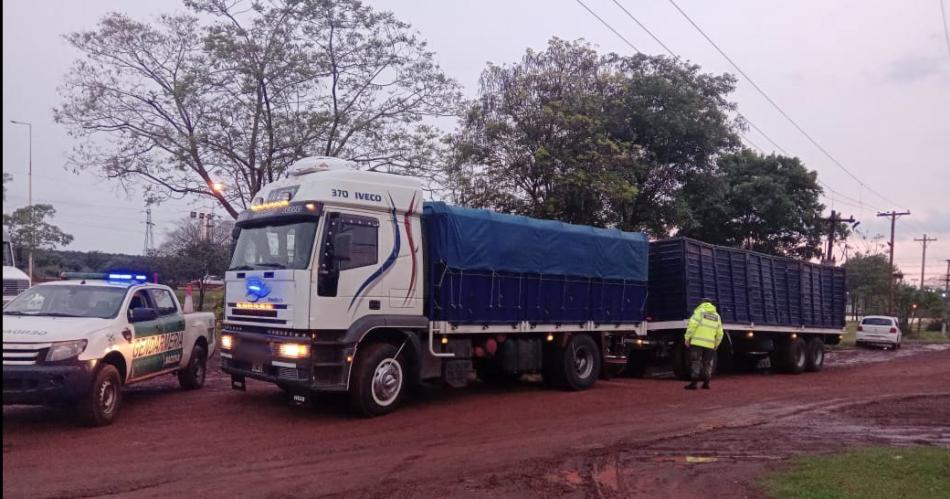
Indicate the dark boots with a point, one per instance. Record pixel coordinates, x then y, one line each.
705 385
691 386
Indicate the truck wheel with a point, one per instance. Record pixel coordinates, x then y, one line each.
789 357
378 381
491 373
816 355
100 406
193 375
681 361
579 363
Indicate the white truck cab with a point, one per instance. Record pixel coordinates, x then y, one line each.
15 281
79 340
321 259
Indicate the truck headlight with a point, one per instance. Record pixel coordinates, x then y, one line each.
227 341
63 350
293 350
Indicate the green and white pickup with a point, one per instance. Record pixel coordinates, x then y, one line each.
79 340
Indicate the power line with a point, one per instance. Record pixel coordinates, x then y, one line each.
946 31
860 204
777 107
611 28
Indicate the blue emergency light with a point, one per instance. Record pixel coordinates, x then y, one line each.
115 277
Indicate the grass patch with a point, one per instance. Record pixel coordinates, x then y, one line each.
927 337
871 473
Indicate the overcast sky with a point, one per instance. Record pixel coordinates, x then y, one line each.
869 80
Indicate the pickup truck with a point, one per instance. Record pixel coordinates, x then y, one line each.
79 340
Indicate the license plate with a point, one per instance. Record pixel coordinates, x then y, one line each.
257 367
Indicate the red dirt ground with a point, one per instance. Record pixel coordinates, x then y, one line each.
624 438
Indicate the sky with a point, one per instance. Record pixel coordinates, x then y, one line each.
868 80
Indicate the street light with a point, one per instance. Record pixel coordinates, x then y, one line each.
29 199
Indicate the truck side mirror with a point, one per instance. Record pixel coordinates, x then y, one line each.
142 315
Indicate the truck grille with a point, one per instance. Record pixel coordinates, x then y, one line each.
13 287
23 354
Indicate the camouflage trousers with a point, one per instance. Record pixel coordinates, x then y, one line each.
701 363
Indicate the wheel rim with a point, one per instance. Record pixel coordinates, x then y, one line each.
108 396
583 362
200 371
819 356
387 382
800 357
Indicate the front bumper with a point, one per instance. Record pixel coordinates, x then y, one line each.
42 385
254 356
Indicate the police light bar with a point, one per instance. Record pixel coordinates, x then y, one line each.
127 277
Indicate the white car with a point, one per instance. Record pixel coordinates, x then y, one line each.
78 341
879 330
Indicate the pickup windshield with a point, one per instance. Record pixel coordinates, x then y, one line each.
68 301
276 246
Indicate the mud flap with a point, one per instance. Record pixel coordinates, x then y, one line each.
238 383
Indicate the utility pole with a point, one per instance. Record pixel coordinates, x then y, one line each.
833 222
29 199
890 293
149 233
946 282
923 259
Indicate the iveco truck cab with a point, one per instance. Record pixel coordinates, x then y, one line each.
322 260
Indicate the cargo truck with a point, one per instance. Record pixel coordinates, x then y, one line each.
346 281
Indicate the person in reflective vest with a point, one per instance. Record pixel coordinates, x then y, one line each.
703 335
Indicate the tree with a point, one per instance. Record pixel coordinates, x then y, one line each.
868 282
762 203
234 92
6 178
192 252
40 234
573 135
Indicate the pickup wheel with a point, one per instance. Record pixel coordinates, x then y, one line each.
378 380
815 358
193 375
101 405
577 365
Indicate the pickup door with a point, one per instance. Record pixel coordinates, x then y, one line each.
157 344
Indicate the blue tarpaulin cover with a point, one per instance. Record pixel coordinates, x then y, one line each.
473 239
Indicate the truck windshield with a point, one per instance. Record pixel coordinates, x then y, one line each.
68 301
276 246
7 254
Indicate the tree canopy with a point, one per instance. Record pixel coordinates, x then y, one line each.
574 135
32 228
233 92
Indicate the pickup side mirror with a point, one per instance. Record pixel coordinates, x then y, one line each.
142 314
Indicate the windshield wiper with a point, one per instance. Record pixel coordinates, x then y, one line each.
273 265
15 312
59 314
242 267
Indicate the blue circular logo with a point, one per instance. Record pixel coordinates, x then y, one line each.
256 288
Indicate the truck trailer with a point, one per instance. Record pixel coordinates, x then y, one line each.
346 281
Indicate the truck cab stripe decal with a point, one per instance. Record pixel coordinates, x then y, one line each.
389 260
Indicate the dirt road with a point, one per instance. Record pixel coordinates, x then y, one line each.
625 438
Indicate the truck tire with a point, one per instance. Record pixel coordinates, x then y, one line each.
193 375
789 357
816 355
101 405
378 381
681 361
579 363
